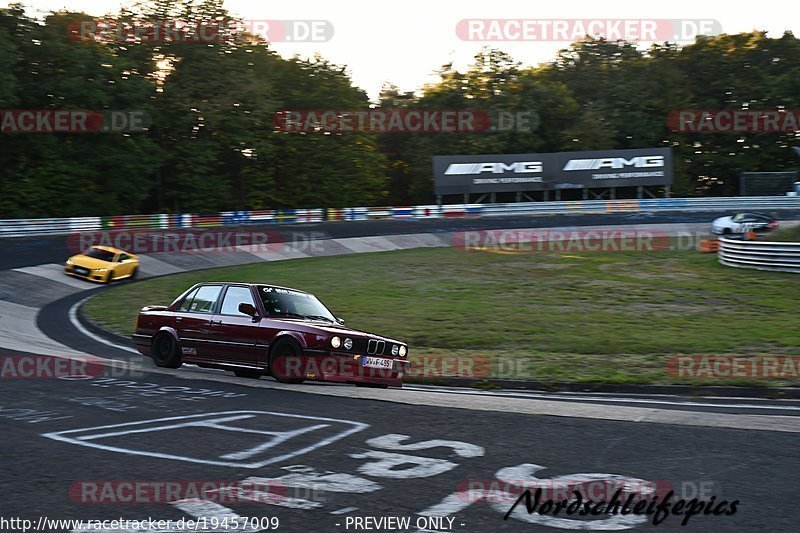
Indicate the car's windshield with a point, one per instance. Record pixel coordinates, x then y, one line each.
98 253
286 302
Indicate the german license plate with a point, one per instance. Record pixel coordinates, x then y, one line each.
376 362
81 271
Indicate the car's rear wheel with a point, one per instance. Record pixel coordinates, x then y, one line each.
242 373
134 272
284 361
165 351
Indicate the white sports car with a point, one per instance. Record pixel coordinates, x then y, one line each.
742 223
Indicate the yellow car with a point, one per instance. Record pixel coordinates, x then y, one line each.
103 264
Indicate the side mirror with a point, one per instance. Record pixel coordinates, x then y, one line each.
340 320
248 309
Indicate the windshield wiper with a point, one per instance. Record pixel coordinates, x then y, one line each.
319 317
313 317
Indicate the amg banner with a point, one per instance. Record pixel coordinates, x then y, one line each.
459 174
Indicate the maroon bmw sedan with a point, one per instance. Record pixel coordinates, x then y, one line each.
256 330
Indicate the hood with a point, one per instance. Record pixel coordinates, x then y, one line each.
335 329
88 262
723 220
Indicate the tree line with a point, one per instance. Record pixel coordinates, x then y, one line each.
211 144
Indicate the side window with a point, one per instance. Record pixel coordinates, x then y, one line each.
233 297
123 257
204 300
187 302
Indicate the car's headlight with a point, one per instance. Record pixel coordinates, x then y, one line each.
69 262
348 343
395 349
336 342
402 351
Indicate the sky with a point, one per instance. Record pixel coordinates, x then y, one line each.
405 42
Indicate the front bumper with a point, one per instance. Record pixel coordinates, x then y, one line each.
143 343
347 368
91 275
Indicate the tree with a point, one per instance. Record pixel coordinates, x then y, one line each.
59 174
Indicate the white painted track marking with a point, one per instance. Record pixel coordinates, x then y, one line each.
73 319
303 477
345 510
581 398
206 421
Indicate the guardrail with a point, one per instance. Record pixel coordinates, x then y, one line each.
759 255
61 226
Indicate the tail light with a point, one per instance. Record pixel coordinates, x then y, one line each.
773 224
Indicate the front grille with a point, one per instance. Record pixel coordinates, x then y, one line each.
375 347
371 346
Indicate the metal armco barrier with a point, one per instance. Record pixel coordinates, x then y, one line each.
62 226
760 255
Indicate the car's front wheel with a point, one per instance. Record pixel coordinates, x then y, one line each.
165 351
285 361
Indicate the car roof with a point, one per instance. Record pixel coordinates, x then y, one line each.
251 285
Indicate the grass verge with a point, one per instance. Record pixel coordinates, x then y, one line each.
791 234
581 317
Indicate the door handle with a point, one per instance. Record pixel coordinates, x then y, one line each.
178 318
216 321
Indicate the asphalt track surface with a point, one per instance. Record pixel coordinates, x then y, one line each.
331 454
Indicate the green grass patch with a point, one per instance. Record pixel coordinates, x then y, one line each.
608 317
784 235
